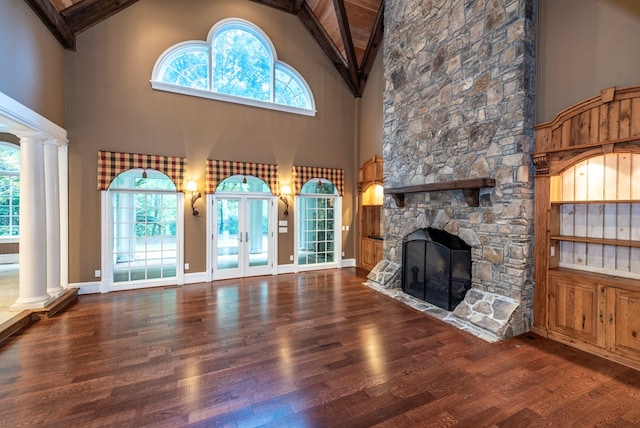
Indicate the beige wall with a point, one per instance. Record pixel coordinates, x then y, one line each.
371 114
370 119
585 46
32 70
110 106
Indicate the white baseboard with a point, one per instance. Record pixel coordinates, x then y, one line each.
9 258
86 287
192 278
290 268
348 262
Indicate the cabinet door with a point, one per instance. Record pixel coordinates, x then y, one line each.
623 323
573 308
367 254
377 246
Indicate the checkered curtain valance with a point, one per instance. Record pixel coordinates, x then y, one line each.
218 170
302 174
110 164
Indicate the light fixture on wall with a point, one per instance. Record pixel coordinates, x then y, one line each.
192 187
285 191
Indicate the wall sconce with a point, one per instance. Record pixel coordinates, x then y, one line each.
285 191
193 188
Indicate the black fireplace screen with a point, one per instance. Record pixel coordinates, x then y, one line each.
436 267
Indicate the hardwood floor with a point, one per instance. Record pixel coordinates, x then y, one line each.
316 349
9 290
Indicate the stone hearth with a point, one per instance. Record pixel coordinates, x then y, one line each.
459 104
485 315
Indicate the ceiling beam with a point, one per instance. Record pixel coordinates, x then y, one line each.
347 40
373 46
52 19
311 23
87 13
289 6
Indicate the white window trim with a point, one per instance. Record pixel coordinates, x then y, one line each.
227 23
337 233
106 280
194 92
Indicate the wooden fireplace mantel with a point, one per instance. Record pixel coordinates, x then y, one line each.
470 189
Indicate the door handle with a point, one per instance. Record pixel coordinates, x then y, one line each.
246 237
240 237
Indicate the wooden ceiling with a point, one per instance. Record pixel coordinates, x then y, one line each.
348 31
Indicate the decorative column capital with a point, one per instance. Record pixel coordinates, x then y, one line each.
541 163
30 138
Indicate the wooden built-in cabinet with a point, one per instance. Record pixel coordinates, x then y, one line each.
587 229
370 213
595 312
370 251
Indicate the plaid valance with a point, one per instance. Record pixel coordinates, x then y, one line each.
110 164
218 170
302 174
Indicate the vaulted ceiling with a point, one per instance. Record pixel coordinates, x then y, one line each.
348 31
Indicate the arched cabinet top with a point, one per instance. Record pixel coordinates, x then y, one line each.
606 123
370 173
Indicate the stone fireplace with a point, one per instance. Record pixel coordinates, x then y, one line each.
459 105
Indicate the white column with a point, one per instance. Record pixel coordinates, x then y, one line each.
33 253
52 198
63 174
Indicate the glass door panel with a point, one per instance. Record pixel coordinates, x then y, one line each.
316 231
258 241
144 236
243 241
228 239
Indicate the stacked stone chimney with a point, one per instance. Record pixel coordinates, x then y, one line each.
459 103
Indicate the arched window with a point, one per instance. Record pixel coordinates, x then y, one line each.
187 65
319 221
144 216
9 191
238 63
243 183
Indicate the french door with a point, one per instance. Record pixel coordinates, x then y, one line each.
242 238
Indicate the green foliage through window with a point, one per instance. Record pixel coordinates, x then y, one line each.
228 210
241 65
145 214
9 190
190 69
238 61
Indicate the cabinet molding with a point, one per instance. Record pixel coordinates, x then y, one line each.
596 312
370 232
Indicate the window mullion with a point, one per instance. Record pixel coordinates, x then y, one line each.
273 82
210 79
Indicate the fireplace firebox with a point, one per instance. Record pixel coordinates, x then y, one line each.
436 267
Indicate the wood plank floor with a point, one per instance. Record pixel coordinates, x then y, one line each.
315 349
